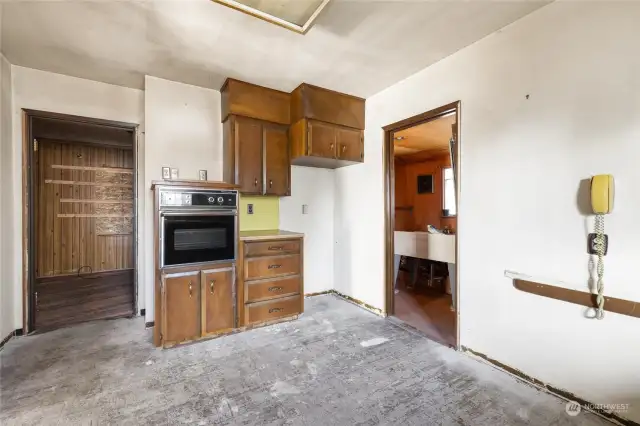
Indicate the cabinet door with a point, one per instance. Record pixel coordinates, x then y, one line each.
349 144
277 164
248 142
321 139
180 307
217 300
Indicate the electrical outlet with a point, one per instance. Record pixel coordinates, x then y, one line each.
591 244
305 209
249 208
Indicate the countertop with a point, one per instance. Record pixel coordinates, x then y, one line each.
268 234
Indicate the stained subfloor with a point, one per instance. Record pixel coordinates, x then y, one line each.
336 365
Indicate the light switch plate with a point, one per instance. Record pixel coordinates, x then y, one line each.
174 174
249 208
305 209
166 173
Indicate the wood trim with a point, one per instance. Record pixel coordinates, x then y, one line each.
206 184
300 29
73 200
389 199
241 285
329 90
80 119
582 298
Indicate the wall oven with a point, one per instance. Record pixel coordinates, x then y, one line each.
197 226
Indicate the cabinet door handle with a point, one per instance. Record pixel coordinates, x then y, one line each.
344 148
273 266
276 288
270 183
275 247
211 284
331 145
272 310
190 289
255 183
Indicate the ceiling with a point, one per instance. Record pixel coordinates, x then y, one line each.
432 136
355 46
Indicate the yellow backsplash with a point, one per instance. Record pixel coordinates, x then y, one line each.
266 213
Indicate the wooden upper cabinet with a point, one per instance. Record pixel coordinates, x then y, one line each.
321 139
277 166
250 100
180 307
349 144
247 135
320 104
217 301
326 128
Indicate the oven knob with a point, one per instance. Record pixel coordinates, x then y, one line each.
220 200
211 200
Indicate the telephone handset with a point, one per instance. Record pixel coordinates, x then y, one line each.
602 194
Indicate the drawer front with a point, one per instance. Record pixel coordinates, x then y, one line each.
269 289
271 266
278 308
271 248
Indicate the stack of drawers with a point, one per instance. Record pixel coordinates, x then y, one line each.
272 275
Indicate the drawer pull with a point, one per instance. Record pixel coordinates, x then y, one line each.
211 285
275 247
276 288
272 310
274 266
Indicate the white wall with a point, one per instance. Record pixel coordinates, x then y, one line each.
522 162
6 209
183 130
39 90
315 188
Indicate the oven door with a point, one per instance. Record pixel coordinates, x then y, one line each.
189 238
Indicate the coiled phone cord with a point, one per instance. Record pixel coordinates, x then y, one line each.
599 246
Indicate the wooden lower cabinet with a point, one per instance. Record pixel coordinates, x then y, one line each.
272 285
218 301
180 307
196 303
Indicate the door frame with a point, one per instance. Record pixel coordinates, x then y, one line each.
389 201
28 201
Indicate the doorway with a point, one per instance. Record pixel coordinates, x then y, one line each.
421 217
81 180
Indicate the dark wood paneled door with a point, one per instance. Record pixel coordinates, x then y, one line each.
181 307
349 144
276 160
321 139
217 301
83 221
248 140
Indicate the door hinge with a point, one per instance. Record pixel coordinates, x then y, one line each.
35 145
36 297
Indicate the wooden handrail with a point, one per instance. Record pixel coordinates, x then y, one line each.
611 304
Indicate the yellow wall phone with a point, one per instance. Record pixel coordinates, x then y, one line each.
602 194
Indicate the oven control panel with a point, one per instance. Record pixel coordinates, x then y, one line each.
224 199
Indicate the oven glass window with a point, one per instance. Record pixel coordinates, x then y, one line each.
196 239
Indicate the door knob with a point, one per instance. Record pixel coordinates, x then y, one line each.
211 285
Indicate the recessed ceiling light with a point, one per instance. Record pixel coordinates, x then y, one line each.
295 15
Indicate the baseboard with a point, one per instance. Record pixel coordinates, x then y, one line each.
17 332
561 393
149 324
351 300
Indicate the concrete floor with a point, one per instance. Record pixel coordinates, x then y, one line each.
336 365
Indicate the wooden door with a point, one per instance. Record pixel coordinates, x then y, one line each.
180 307
248 140
276 163
321 139
349 144
83 216
217 301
